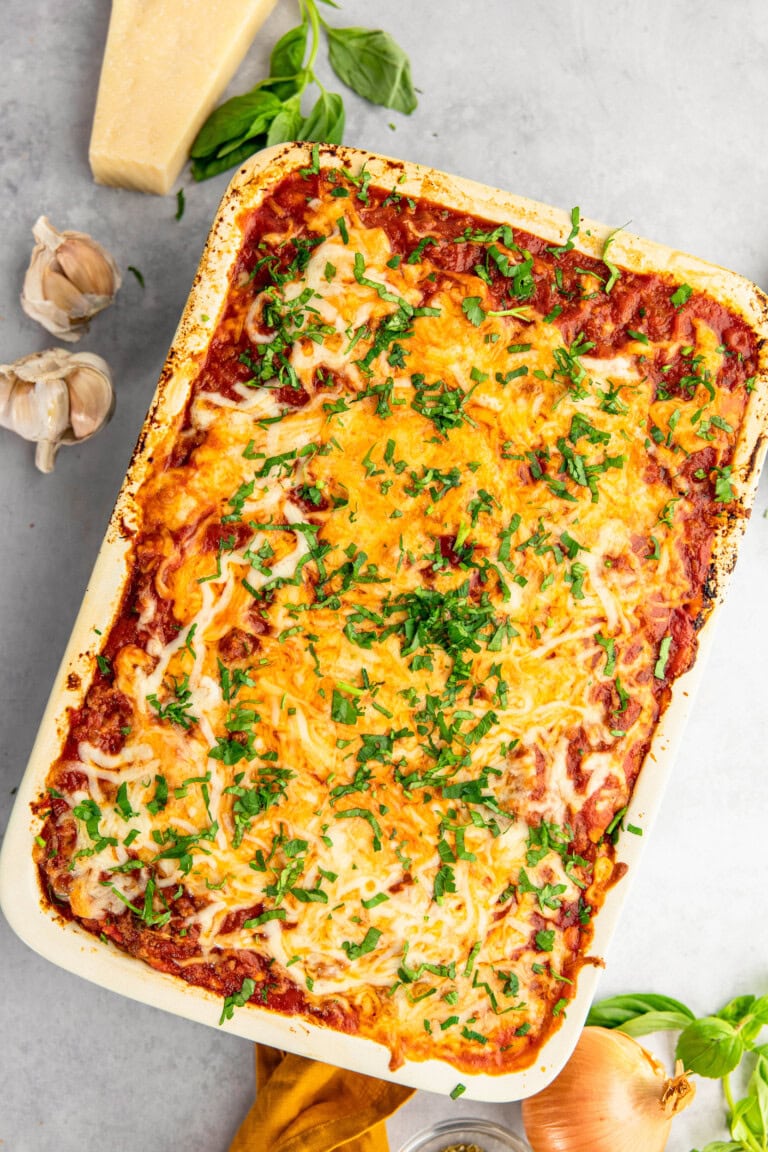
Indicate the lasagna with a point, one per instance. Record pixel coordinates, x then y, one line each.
413 571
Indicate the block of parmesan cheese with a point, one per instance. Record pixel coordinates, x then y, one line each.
166 63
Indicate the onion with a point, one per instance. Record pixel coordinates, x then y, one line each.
612 1096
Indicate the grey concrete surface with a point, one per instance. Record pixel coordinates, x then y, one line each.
654 113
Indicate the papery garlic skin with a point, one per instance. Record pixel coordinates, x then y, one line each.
55 397
70 278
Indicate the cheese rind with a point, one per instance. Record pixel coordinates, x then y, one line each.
166 63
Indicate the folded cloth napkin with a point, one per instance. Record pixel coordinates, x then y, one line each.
304 1106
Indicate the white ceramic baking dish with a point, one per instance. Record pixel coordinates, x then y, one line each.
70 946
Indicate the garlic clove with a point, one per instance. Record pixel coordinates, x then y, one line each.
40 411
45 455
22 413
42 299
52 399
55 397
62 294
91 398
92 270
70 278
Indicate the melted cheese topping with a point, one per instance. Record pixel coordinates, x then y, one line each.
418 669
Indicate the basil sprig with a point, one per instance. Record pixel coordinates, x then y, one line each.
366 60
711 1046
641 1014
373 65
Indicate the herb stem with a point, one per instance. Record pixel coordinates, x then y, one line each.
324 23
728 1092
747 1140
310 10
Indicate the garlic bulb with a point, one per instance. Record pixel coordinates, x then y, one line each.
70 278
55 397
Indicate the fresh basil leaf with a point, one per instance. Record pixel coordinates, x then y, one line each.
710 1047
759 1009
237 999
655 1022
368 944
640 1014
235 145
745 1123
343 711
325 122
310 895
287 60
721 1146
736 1010
372 64
235 121
758 1091
748 1014
753 1024
206 168
287 124
259 126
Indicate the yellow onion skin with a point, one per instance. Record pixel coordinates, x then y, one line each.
612 1096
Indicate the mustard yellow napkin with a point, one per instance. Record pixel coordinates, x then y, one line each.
304 1106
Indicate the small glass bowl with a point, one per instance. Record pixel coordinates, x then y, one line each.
487 1135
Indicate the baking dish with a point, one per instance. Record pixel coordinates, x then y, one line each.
99 962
